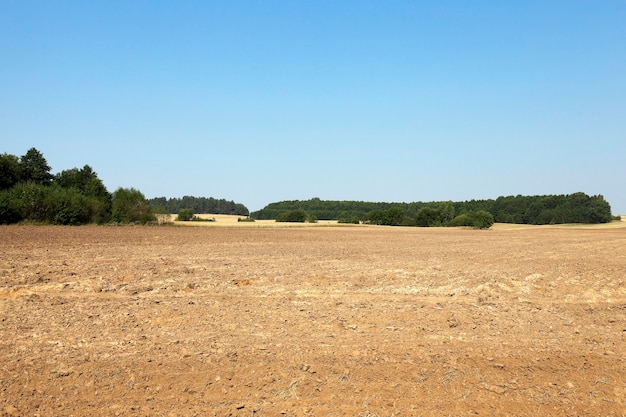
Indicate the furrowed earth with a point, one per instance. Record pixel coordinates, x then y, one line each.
312 321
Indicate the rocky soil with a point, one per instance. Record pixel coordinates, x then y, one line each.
315 321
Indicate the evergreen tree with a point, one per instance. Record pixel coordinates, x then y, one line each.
35 168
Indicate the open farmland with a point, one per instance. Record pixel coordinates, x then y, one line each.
312 321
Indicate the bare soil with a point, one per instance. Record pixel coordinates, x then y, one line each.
312 321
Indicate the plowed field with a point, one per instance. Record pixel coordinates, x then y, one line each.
312 321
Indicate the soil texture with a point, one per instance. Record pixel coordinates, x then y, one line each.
312 321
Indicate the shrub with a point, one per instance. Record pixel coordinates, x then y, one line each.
10 171
86 182
350 220
245 219
48 204
28 199
67 206
185 215
200 219
477 219
460 220
391 217
427 217
8 213
130 206
482 220
295 216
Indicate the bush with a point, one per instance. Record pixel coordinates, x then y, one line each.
130 206
460 221
28 199
391 217
482 220
427 217
8 213
200 219
477 219
48 204
68 206
351 220
10 171
185 215
87 183
296 216
245 219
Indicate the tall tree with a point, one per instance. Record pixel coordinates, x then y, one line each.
35 168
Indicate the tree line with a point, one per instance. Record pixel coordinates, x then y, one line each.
198 205
546 209
323 209
29 192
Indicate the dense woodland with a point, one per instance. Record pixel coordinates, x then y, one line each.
198 205
546 209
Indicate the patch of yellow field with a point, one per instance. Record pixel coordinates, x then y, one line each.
222 220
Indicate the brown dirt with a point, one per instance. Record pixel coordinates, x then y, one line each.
312 321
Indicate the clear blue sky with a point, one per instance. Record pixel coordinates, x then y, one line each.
262 101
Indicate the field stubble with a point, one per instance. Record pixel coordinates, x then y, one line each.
319 321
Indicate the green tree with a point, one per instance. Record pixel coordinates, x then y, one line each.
393 216
598 210
446 211
86 181
67 206
374 217
482 220
8 212
463 219
35 168
130 206
293 216
185 215
427 217
477 219
10 171
45 204
29 200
